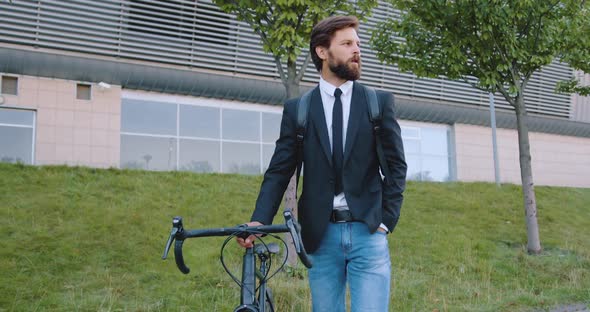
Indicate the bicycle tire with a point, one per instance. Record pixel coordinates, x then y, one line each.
246 308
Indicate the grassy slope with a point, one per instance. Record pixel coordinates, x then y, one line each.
78 239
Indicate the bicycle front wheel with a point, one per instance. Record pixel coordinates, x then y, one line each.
246 308
269 302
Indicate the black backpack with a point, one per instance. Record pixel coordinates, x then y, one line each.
375 115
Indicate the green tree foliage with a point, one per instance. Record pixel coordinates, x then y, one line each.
573 86
499 42
284 27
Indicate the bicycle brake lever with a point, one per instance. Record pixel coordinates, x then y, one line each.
292 230
295 231
176 227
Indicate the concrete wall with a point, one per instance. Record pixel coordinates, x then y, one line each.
557 160
71 131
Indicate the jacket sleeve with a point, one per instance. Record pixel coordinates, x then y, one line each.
393 150
282 166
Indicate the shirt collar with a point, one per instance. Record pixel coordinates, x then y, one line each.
329 88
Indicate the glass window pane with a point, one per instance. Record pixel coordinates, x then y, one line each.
83 91
241 158
410 132
16 116
435 168
241 125
199 121
267 151
271 125
411 146
413 162
9 85
199 155
148 117
434 141
149 153
16 144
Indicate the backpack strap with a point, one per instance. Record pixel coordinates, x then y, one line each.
375 115
302 112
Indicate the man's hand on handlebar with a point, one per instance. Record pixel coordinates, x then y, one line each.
249 241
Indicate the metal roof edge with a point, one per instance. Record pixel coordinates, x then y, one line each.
140 76
197 83
417 110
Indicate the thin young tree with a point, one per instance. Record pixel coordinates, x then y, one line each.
499 42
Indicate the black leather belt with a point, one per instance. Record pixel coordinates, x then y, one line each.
339 216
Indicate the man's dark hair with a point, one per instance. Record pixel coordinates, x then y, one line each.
323 32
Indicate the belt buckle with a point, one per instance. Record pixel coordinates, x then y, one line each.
333 217
339 221
342 220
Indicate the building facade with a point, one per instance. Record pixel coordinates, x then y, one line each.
179 85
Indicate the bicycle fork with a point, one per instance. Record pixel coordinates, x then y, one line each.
264 295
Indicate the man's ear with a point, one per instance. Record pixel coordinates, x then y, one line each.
321 52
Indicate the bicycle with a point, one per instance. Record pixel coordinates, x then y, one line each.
252 298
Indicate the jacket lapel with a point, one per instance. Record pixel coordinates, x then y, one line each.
319 122
358 107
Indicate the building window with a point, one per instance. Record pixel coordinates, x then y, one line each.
17 132
168 136
427 154
9 85
83 91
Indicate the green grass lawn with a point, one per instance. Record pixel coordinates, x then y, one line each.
79 239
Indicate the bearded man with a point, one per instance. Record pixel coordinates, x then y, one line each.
346 208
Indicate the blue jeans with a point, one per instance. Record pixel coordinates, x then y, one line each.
350 253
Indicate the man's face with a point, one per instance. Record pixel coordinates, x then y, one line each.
344 55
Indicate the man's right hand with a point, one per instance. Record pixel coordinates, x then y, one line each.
249 241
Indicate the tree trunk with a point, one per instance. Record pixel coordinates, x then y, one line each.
291 84
292 87
526 174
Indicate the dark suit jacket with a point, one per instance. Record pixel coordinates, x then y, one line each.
370 199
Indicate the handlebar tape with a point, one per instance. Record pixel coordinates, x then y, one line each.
178 257
304 258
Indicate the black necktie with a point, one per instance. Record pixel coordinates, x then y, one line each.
337 142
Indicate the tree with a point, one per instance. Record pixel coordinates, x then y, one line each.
284 27
499 42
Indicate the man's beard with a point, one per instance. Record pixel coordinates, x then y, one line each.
344 70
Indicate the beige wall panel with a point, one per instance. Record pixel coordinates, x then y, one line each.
45 134
27 97
65 100
82 120
81 153
45 153
556 159
71 131
26 83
